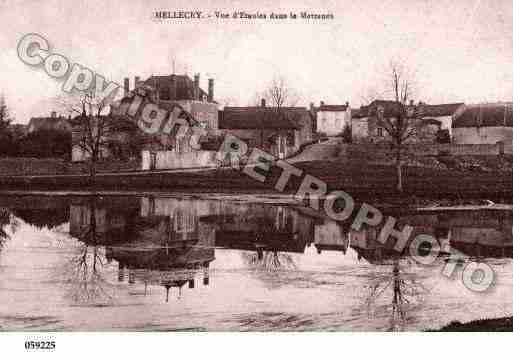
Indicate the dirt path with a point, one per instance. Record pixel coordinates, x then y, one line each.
318 151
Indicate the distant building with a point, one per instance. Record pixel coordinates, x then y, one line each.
368 121
444 113
53 122
280 131
484 124
332 119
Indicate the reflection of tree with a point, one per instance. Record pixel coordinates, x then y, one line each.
406 291
84 268
270 261
85 278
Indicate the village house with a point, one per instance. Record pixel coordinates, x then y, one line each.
163 151
279 131
332 119
484 124
443 113
426 125
51 123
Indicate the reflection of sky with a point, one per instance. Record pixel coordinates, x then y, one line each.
326 291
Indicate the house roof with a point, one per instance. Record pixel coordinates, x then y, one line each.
389 107
332 108
259 118
47 123
447 109
487 115
366 111
184 85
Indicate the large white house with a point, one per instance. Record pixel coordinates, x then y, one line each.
331 119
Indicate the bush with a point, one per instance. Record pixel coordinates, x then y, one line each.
443 136
347 134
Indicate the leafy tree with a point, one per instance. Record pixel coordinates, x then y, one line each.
5 118
5 122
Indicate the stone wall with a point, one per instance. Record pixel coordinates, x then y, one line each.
482 135
172 160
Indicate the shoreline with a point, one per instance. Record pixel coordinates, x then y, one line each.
501 324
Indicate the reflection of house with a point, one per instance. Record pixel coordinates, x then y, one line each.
104 222
330 236
484 124
238 225
172 266
482 233
263 228
280 131
331 119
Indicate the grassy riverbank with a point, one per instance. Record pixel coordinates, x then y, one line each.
374 181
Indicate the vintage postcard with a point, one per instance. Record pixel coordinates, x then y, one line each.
286 166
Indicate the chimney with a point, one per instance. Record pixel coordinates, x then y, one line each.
172 95
196 86
322 103
262 103
126 86
137 79
347 103
411 103
53 114
210 97
311 106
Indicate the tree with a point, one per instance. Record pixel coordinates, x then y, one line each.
93 132
278 93
5 118
5 122
398 120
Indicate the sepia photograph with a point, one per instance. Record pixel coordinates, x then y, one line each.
241 166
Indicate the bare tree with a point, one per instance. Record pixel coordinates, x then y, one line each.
278 93
398 120
93 130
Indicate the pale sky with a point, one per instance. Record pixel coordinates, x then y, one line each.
461 50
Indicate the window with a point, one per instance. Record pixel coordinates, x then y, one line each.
164 93
380 131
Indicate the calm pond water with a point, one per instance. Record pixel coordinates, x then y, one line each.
183 263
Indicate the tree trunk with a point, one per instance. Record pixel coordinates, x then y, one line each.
92 169
399 170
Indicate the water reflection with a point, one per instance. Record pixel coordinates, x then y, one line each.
171 244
